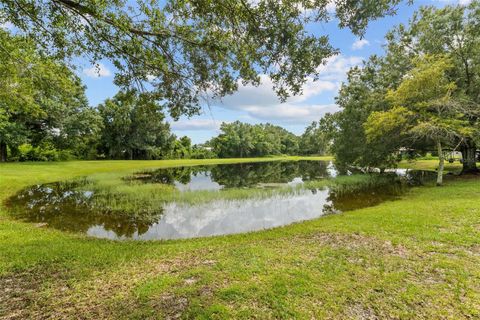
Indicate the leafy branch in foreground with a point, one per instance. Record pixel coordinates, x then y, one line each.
185 49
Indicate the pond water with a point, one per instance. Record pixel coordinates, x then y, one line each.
66 206
239 175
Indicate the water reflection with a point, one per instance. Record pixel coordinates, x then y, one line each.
229 217
241 175
238 216
61 206
64 206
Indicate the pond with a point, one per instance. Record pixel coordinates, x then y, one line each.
293 196
239 175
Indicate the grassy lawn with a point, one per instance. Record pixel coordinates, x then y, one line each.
414 258
430 165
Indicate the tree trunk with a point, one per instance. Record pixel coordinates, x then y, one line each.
441 164
469 150
3 151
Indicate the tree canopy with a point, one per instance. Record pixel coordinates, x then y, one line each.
134 127
41 100
424 108
184 49
421 96
238 139
318 137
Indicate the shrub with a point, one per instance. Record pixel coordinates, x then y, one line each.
65 155
44 152
26 152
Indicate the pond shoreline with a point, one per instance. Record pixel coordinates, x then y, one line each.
205 200
399 259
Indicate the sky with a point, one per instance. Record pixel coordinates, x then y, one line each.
260 104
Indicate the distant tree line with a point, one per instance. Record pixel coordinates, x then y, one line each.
238 139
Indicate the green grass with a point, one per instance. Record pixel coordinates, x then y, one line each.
414 258
431 165
351 183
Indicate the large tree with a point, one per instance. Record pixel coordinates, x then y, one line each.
425 108
79 131
363 93
134 127
186 48
454 32
38 95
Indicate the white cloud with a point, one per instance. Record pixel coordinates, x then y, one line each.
6 25
336 68
461 2
264 94
262 103
97 71
332 73
359 44
331 6
290 113
195 124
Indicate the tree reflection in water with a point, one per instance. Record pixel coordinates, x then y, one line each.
242 175
67 206
63 207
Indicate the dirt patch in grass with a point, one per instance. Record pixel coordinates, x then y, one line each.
353 242
173 306
360 312
20 292
107 294
17 292
111 294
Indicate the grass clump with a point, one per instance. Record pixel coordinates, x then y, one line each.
114 194
351 184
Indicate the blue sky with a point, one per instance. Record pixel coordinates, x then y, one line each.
260 104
